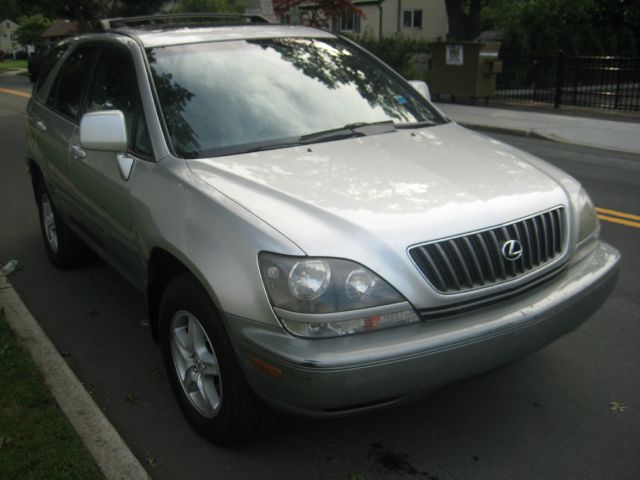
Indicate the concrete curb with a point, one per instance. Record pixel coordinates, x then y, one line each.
542 136
109 450
508 131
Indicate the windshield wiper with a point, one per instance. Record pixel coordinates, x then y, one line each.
351 130
419 124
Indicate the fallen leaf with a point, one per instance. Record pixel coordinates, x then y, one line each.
150 460
617 406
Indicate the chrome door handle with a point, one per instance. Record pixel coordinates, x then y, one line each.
78 152
40 125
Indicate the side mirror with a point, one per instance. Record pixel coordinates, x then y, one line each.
422 88
104 131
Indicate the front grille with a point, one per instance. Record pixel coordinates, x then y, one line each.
476 260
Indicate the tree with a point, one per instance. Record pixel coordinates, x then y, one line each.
574 27
31 28
86 12
319 17
464 18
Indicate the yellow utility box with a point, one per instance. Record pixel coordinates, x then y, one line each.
464 69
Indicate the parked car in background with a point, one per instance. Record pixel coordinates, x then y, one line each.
310 233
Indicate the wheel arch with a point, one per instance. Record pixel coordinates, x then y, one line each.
162 267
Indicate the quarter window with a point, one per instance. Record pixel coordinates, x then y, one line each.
67 90
412 19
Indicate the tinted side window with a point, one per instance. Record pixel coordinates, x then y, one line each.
47 61
66 93
116 88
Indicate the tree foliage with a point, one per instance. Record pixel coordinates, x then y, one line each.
320 16
546 27
574 27
397 52
86 12
31 28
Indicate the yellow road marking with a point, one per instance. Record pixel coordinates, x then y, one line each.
11 91
621 221
615 213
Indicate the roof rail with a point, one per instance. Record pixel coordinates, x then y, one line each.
181 19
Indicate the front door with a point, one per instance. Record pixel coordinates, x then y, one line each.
102 184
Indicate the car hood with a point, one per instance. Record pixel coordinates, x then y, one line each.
394 189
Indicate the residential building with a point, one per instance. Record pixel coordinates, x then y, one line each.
8 43
423 19
260 7
60 28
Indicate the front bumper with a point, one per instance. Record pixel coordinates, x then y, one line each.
338 376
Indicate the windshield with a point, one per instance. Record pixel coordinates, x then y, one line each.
222 98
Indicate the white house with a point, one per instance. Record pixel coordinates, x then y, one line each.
423 19
8 43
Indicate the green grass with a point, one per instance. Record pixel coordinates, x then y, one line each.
7 65
36 439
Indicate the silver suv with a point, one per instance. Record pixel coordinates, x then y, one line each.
310 233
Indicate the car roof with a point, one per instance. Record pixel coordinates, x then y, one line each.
190 34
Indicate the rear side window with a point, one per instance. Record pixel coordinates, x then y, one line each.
73 77
115 88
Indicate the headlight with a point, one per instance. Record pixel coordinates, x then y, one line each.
308 279
328 297
588 224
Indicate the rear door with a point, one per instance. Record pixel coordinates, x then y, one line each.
56 122
102 186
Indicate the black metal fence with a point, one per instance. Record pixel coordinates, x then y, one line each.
593 82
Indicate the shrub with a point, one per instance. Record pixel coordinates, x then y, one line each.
397 52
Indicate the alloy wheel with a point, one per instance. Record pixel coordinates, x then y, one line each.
195 363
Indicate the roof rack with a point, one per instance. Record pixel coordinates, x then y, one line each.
172 19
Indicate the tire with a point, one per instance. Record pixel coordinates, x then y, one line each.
203 369
64 249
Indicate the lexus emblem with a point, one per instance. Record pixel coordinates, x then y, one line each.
511 250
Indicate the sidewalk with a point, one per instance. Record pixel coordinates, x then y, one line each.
590 132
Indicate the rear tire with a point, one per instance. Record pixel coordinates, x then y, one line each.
203 369
64 249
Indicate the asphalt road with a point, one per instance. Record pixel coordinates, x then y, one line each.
546 416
